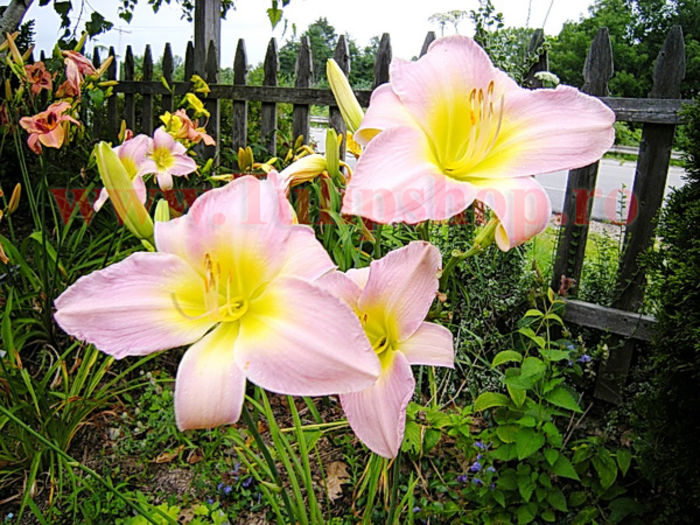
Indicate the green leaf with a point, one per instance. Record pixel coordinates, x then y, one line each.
526 513
489 400
532 367
548 516
274 14
499 497
557 500
432 437
577 498
527 421
527 442
507 480
532 312
518 395
525 487
411 438
553 434
505 452
621 508
506 356
554 355
551 456
624 459
564 468
561 397
605 467
507 433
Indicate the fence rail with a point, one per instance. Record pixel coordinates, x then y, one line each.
659 115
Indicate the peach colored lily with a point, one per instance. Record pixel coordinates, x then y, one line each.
450 128
77 68
132 154
48 127
166 158
181 126
233 279
38 77
392 297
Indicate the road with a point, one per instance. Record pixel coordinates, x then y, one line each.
615 178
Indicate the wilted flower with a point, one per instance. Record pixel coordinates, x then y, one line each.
392 297
77 68
233 279
450 128
48 128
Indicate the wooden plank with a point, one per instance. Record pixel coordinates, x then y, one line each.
240 107
651 110
647 197
207 29
129 107
268 110
189 65
304 75
112 111
619 322
542 63
147 100
426 43
167 100
211 74
95 58
382 61
342 58
580 186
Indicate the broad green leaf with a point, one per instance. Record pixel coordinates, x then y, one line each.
526 513
506 356
411 438
564 468
561 397
605 467
432 437
507 480
505 452
489 400
624 458
527 442
527 421
507 433
525 486
577 498
554 355
499 497
551 456
623 507
532 367
518 395
556 499
554 317
548 516
532 312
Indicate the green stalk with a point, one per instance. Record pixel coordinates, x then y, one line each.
395 471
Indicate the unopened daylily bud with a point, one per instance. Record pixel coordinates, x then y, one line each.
162 213
8 89
304 169
332 154
16 55
81 42
3 257
4 45
298 142
14 199
103 67
245 159
108 83
121 192
350 108
28 53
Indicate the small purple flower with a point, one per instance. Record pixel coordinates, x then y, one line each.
479 457
210 501
416 509
476 467
490 469
570 346
247 481
462 478
228 489
570 362
492 486
220 487
236 467
480 444
477 481
585 358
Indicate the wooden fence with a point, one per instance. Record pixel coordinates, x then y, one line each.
659 115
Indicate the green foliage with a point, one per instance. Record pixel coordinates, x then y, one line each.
666 407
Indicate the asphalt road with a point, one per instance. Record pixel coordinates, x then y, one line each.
615 178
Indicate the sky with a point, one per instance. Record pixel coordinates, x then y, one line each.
405 20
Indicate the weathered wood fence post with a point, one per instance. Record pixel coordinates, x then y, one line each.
426 43
113 119
580 187
648 192
268 110
129 108
304 75
240 107
147 99
167 100
211 103
342 58
542 63
207 28
382 62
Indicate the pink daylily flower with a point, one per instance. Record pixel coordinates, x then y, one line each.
77 68
450 128
132 154
48 127
392 297
233 279
38 78
167 157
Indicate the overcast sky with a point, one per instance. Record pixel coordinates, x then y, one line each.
405 20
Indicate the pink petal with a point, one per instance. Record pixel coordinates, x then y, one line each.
135 148
243 223
101 199
163 139
184 165
129 308
359 276
401 287
140 189
210 388
342 286
165 180
521 204
305 256
299 339
396 181
442 79
377 414
430 345
53 139
553 129
385 111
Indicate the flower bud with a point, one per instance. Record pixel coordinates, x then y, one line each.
162 213
304 169
332 154
350 108
14 199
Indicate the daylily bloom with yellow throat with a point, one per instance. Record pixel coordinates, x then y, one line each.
166 158
450 128
233 278
48 127
38 77
181 126
392 297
